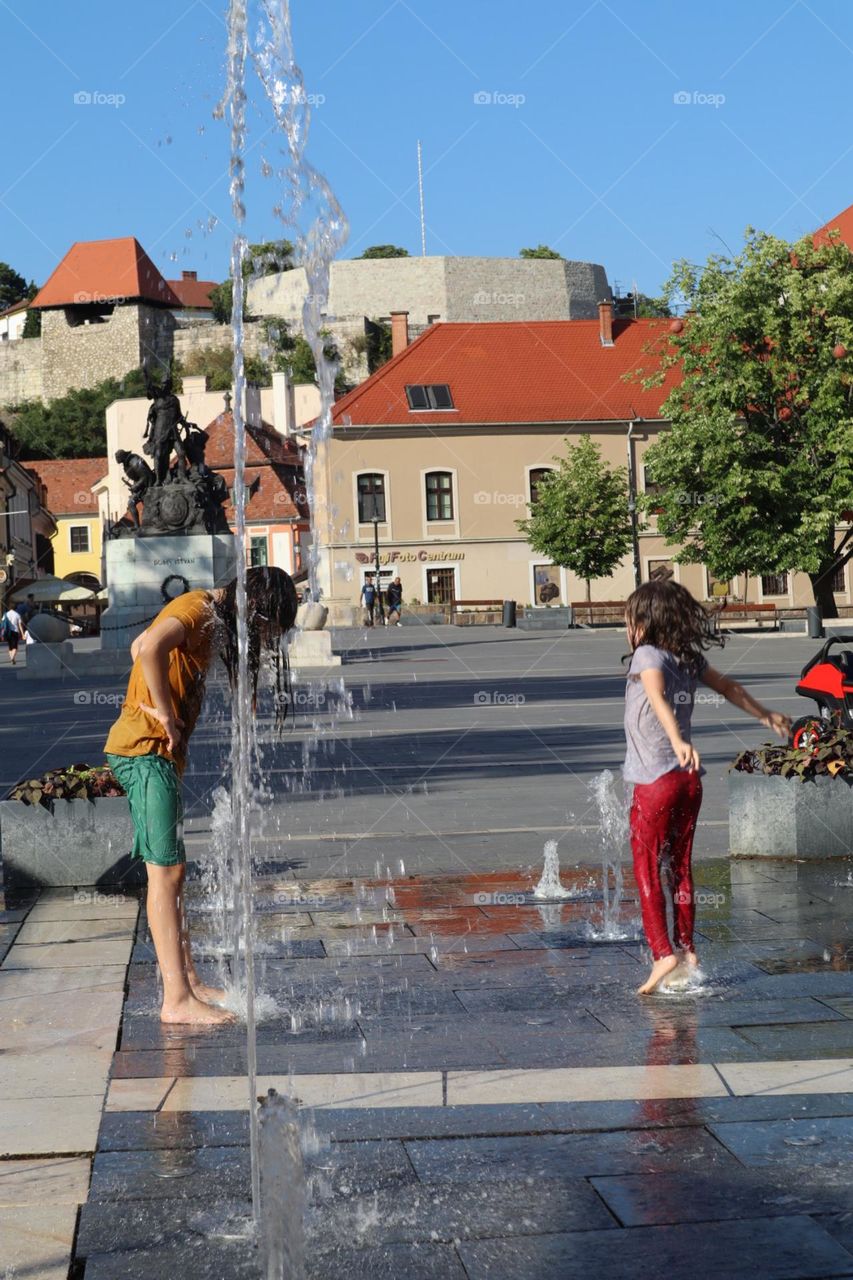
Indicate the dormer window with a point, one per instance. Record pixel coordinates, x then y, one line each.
429 397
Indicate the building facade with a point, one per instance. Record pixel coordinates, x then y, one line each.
26 523
69 485
440 453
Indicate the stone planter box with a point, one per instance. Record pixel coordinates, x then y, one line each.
556 619
82 842
785 818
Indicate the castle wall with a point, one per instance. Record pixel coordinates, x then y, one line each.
85 354
21 371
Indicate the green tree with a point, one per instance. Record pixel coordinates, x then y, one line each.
643 306
74 425
541 251
217 365
580 519
266 259
756 472
385 251
12 286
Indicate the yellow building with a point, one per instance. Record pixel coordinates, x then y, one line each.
77 541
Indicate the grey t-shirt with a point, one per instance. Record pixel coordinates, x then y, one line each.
649 753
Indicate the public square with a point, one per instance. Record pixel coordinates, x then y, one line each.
490 1097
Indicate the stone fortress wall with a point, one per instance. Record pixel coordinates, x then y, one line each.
70 355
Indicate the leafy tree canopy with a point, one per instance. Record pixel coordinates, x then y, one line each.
12 286
264 259
580 519
541 251
74 425
757 469
385 251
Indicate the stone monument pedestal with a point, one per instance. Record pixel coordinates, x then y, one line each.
143 574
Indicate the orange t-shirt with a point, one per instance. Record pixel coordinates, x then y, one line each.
136 732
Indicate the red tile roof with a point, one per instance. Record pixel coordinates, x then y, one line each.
517 372
843 223
193 293
273 470
103 270
263 444
276 495
68 482
22 305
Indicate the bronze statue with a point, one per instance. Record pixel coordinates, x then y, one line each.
138 477
162 430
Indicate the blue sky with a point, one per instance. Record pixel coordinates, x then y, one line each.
583 145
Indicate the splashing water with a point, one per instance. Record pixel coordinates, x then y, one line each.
307 198
283 1188
549 886
613 834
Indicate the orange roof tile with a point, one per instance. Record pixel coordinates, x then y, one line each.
105 271
263 444
516 372
192 292
68 482
842 222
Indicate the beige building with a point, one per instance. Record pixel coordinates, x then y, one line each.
445 444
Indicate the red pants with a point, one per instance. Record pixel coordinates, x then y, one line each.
663 822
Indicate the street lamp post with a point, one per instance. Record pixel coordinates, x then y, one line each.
376 562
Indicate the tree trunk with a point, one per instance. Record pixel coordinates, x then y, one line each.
588 593
824 597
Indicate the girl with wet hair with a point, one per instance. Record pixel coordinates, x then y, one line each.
147 750
668 632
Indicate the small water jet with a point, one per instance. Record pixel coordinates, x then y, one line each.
613 835
550 887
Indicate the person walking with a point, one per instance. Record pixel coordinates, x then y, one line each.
147 751
368 599
668 631
13 632
394 597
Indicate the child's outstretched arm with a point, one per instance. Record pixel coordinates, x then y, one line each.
736 694
653 685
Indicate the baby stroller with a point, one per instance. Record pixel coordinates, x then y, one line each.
828 679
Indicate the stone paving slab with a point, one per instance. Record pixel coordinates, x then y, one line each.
36 1242
796 1144
567 1155
49 1126
794 1248
642 1200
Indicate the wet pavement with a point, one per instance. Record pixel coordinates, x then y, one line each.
485 1093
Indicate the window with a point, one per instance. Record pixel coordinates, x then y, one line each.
839 584
79 534
718 588
536 475
371 498
436 396
774 584
659 569
439 495
441 586
258 551
546 584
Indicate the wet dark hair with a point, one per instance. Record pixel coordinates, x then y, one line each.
271 598
664 614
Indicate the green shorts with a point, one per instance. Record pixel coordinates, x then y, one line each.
154 795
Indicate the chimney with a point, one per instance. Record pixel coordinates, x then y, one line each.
399 331
283 404
189 275
252 415
605 323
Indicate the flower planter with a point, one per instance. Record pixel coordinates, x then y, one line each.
557 618
774 817
79 842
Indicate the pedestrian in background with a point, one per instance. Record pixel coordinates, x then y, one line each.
394 597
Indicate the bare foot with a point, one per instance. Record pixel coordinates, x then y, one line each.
660 969
691 959
210 995
193 1010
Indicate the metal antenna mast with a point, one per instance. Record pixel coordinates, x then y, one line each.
421 193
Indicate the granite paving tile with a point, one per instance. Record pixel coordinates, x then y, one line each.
559 1084
49 1126
802 1040
825 1075
682 1012
676 1112
698 1196
34 933
172 1130
230 1060
77 1019
27 982
36 1242
353 1089
564 1155
68 955
91 906
39 1181
792 1248
53 1073
143 1031
795 1143
839 1226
